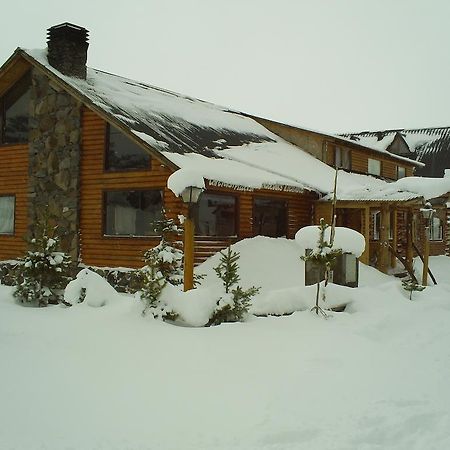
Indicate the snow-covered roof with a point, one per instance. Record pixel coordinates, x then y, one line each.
421 141
221 145
405 189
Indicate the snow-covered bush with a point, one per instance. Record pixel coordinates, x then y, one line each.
163 264
90 288
45 270
235 304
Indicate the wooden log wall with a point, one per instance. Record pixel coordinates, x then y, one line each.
14 181
97 249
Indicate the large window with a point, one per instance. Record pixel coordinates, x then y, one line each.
14 112
374 167
435 232
215 215
7 206
269 217
342 158
122 153
130 213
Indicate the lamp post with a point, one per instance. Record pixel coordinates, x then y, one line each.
190 196
427 213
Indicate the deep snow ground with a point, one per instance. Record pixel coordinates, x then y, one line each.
374 377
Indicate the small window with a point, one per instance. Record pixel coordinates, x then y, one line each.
342 158
122 153
374 167
130 213
401 172
215 215
435 231
7 209
14 112
376 225
269 217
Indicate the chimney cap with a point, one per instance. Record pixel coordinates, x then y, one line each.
67 27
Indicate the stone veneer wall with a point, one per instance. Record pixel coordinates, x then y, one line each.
54 174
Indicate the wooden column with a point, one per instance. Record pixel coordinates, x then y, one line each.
383 252
394 227
409 238
365 225
188 253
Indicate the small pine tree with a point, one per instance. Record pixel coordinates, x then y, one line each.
163 264
234 306
45 270
411 286
227 270
324 257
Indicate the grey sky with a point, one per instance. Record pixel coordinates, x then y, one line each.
329 65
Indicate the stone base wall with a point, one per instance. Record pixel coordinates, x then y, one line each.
54 173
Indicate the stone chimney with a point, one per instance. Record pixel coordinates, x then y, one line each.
67 49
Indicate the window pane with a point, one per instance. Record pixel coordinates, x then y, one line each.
435 230
123 153
269 217
215 215
342 158
16 112
130 213
7 204
401 172
374 166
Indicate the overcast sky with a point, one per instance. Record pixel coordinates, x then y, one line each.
329 65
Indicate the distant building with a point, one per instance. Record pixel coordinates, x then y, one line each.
430 146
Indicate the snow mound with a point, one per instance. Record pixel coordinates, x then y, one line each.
95 289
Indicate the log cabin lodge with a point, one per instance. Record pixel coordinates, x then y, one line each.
92 152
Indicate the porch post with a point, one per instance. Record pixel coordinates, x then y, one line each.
394 227
383 253
409 237
365 221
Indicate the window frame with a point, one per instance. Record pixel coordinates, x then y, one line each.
105 213
398 172
24 80
431 235
108 169
376 232
275 199
13 232
236 199
340 150
379 162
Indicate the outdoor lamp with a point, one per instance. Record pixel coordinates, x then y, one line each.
427 211
190 196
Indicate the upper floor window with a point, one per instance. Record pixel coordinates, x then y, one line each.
401 172
122 153
131 213
435 231
14 112
374 166
269 217
215 215
7 207
342 158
